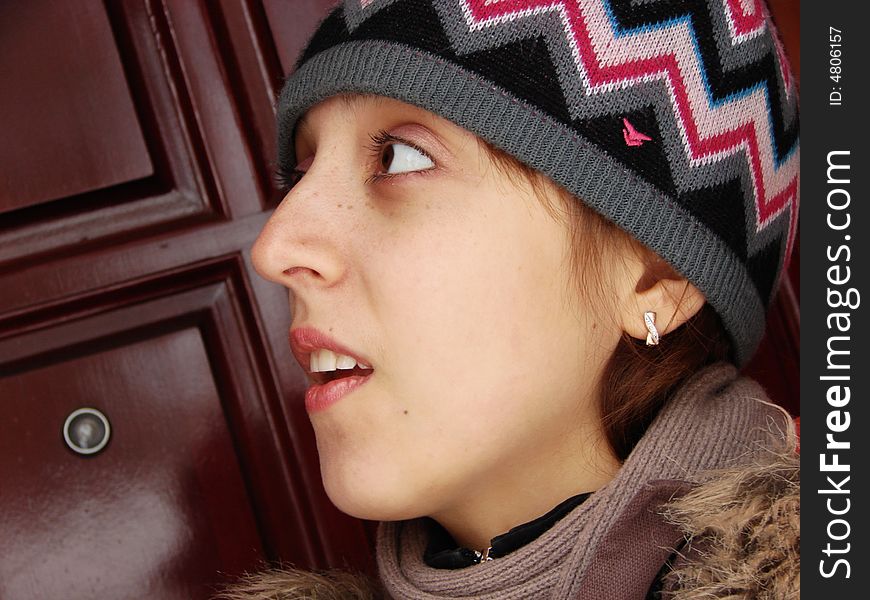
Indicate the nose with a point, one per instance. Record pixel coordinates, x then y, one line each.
299 246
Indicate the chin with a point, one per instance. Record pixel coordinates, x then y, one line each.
370 494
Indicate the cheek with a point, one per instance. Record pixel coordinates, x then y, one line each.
473 311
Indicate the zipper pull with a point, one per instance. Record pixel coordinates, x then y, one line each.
483 556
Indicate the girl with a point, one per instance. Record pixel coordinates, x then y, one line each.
527 244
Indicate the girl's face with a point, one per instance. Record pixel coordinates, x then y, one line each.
405 243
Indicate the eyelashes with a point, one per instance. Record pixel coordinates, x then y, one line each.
378 141
382 152
286 178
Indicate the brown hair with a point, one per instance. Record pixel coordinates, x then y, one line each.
637 379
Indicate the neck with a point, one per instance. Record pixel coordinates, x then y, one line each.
716 419
533 484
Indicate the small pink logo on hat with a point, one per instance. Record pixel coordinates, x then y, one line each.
632 136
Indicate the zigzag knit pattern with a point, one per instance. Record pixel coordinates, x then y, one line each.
677 120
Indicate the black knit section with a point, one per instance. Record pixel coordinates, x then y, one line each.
762 267
716 206
631 15
413 23
525 69
330 33
647 160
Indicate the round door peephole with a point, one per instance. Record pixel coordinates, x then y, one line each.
86 431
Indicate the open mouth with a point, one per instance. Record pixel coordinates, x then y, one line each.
326 361
326 366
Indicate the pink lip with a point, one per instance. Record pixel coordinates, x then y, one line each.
304 341
320 397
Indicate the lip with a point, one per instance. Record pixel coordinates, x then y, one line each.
321 396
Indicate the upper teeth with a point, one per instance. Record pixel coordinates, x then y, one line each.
326 360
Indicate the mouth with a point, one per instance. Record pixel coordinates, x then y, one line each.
332 375
325 359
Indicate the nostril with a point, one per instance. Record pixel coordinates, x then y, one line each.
294 270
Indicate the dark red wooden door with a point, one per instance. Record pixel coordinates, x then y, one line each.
135 145
135 148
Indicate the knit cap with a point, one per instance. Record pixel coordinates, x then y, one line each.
676 120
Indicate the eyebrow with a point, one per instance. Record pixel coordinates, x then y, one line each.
352 101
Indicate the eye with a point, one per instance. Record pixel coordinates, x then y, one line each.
402 158
394 156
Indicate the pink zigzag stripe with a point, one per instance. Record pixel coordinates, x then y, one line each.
636 69
745 23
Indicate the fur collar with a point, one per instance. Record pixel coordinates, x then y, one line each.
743 532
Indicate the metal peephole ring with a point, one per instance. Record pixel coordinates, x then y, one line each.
86 431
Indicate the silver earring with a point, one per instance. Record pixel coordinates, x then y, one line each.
652 337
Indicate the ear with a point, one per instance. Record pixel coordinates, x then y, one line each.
658 288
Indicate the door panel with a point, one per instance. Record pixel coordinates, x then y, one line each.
126 286
69 122
86 517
